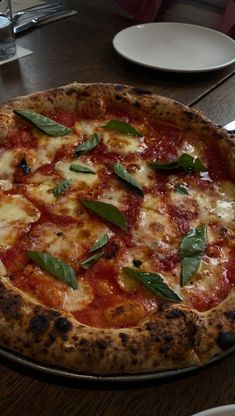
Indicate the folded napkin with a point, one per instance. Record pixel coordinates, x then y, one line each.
20 52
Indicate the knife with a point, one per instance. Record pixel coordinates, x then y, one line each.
22 27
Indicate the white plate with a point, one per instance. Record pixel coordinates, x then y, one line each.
219 411
177 47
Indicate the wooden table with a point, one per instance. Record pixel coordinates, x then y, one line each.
80 48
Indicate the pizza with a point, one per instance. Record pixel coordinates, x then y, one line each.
117 232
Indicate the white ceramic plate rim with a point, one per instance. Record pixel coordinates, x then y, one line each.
120 37
217 411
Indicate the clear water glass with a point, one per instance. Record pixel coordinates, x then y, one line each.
7 39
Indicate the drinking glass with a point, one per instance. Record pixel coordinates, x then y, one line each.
7 39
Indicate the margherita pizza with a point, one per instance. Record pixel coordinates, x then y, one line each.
117 232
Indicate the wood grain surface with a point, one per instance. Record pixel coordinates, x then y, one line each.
219 105
80 48
26 393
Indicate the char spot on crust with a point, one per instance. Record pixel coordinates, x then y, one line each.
119 87
52 314
191 331
168 338
230 314
71 91
83 341
12 307
39 324
136 104
164 349
63 325
85 93
60 328
189 114
101 344
10 303
124 338
134 349
141 91
163 307
226 340
174 314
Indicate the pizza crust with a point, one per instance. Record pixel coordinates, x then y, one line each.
172 337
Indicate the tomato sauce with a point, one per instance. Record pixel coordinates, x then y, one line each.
22 138
41 287
181 217
203 300
15 258
163 142
216 166
110 306
231 266
66 118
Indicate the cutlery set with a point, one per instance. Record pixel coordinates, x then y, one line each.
30 17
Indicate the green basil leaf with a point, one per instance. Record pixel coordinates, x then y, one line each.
154 283
43 123
55 267
101 242
180 189
106 211
88 145
122 173
192 248
61 187
122 127
80 168
185 161
86 264
198 166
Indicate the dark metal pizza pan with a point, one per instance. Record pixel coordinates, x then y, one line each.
162 376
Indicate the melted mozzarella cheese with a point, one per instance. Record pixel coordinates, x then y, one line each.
50 145
83 127
154 227
225 211
143 174
3 270
189 149
5 184
15 209
67 204
214 206
114 195
15 213
36 158
69 242
78 299
63 168
7 166
123 143
209 278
